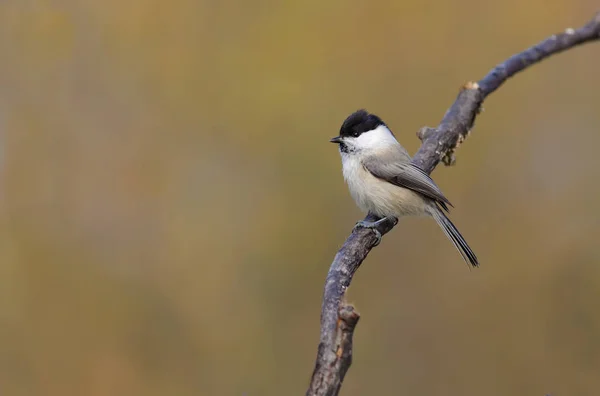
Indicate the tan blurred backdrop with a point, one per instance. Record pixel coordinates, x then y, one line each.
170 204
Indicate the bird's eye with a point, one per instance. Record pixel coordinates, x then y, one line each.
355 133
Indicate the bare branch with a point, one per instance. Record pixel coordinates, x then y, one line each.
338 319
331 382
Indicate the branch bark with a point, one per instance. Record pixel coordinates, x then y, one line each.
338 318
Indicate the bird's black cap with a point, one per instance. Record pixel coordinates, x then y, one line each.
358 122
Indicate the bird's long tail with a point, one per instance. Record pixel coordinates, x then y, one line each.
457 239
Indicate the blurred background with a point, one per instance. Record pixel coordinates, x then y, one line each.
170 204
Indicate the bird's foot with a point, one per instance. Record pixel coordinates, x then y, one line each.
373 226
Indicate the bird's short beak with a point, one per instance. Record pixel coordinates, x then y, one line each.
337 139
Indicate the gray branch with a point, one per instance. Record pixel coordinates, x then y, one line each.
338 318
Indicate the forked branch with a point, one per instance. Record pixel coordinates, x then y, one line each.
338 318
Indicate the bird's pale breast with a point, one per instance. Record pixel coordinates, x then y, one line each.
378 196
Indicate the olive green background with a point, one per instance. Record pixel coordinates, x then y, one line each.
170 204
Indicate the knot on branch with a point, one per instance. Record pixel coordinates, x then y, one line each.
348 318
449 159
470 85
425 132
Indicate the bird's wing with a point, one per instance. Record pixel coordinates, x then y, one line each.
407 175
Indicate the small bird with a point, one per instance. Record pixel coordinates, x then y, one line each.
383 181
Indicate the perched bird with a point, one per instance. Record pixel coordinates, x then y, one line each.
383 181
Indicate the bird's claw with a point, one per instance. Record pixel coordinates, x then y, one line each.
372 225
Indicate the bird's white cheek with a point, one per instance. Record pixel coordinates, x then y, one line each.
377 138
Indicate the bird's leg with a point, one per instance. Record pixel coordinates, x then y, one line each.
367 223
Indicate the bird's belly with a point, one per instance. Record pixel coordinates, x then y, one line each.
382 198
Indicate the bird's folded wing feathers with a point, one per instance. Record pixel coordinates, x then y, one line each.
409 176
